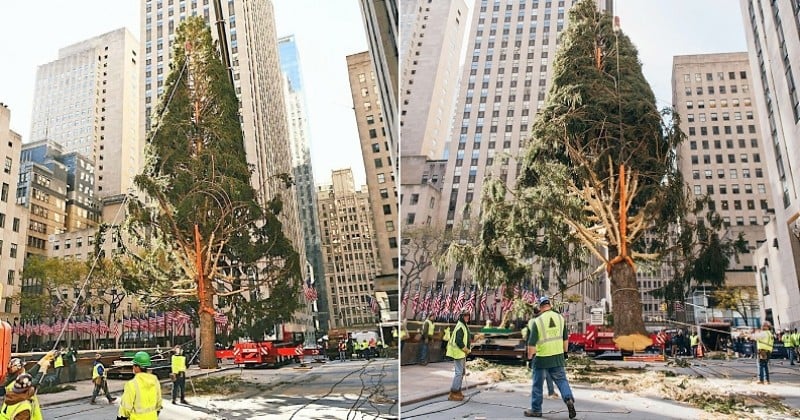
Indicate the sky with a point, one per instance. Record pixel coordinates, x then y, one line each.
326 32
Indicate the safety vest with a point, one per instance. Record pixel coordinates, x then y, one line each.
59 362
694 340
446 335
178 364
452 349
796 339
136 405
394 332
96 370
788 342
429 331
550 326
403 334
765 343
342 346
36 409
8 412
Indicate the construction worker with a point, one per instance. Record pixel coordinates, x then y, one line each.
788 343
547 345
796 341
342 350
16 369
141 399
178 375
764 344
18 404
59 364
395 336
457 349
426 330
99 380
373 348
551 389
694 340
71 360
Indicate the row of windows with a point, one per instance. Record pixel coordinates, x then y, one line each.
728 144
751 129
721 89
14 225
698 77
726 116
723 103
723 189
12 249
743 158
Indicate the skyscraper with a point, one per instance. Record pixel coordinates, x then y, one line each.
301 168
13 218
88 102
349 250
722 156
503 84
773 42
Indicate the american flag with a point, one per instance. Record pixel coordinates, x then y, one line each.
484 307
309 291
470 303
220 319
445 309
116 330
373 304
439 303
678 306
405 299
459 302
426 302
415 301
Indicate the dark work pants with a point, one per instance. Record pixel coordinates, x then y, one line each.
179 385
97 387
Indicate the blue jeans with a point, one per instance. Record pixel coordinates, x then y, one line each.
423 351
559 377
460 367
791 353
549 379
763 370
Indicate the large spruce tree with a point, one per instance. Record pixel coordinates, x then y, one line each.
206 235
599 178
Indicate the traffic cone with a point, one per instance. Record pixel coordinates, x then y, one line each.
700 351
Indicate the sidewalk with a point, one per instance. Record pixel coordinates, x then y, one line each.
83 389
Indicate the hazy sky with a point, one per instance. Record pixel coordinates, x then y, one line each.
326 31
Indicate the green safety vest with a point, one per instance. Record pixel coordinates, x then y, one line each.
550 326
452 349
11 411
765 344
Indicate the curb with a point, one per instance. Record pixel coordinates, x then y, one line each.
439 394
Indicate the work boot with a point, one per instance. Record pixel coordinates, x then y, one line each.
531 413
173 400
184 401
455 396
111 400
93 402
571 408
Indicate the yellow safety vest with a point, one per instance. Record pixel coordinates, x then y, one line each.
36 411
431 327
95 372
11 411
765 344
550 326
694 340
178 364
452 349
137 404
394 332
403 334
446 335
788 342
59 362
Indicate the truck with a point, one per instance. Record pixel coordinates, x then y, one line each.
499 344
598 339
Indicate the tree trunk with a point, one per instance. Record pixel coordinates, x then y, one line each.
625 300
208 357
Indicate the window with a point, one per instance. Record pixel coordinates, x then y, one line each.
15 224
387 209
378 162
10 278
7 165
698 190
384 193
393 242
695 175
4 193
2 220
389 226
414 199
410 218
381 178
13 251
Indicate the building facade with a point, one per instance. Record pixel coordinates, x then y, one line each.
376 150
87 100
381 21
13 218
349 249
302 172
773 43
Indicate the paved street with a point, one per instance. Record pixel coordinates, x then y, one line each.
350 390
637 391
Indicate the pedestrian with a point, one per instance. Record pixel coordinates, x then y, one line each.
548 343
141 398
19 402
764 343
788 343
59 364
458 349
99 380
342 350
427 338
551 390
178 375
71 360
373 348
694 341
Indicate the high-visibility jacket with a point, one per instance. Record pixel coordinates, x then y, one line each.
452 348
394 333
446 335
403 334
694 340
788 342
98 370
765 342
178 364
36 409
141 399
59 362
550 329
796 339
427 328
10 411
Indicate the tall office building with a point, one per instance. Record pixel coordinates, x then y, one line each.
773 41
252 52
88 101
302 171
381 20
13 218
723 154
378 163
503 84
349 250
